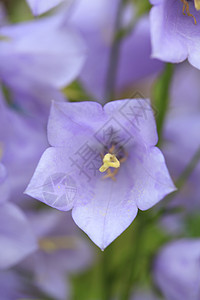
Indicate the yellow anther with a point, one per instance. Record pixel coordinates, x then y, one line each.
109 160
186 8
197 4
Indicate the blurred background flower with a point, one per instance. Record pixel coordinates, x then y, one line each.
175 31
177 269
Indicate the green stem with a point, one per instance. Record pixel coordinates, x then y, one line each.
134 259
114 56
132 269
106 285
161 97
188 170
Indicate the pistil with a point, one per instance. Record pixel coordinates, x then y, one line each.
197 4
110 160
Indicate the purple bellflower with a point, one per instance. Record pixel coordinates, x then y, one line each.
98 30
16 236
22 142
55 61
177 270
181 132
103 164
175 30
42 62
20 145
61 252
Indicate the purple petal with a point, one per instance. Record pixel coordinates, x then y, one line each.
56 61
98 29
136 48
16 238
109 212
81 133
171 30
49 277
22 145
137 116
151 179
53 182
51 265
177 270
73 119
86 120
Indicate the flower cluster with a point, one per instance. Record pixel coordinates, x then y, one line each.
99 149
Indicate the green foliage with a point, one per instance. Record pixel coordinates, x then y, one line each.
76 93
143 7
161 99
19 12
193 225
126 263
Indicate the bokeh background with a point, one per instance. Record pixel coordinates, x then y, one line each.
101 50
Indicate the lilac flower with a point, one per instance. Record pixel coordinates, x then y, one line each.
16 237
81 136
177 270
55 61
42 62
98 29
174 36
61 252
39 7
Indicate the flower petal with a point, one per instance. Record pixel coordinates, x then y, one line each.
167 22
137 116
151 178
73 119
56 61
109 212
16 238
52 182
177 269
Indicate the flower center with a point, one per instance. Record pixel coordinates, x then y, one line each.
187 9
197 4
109 160
112 157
